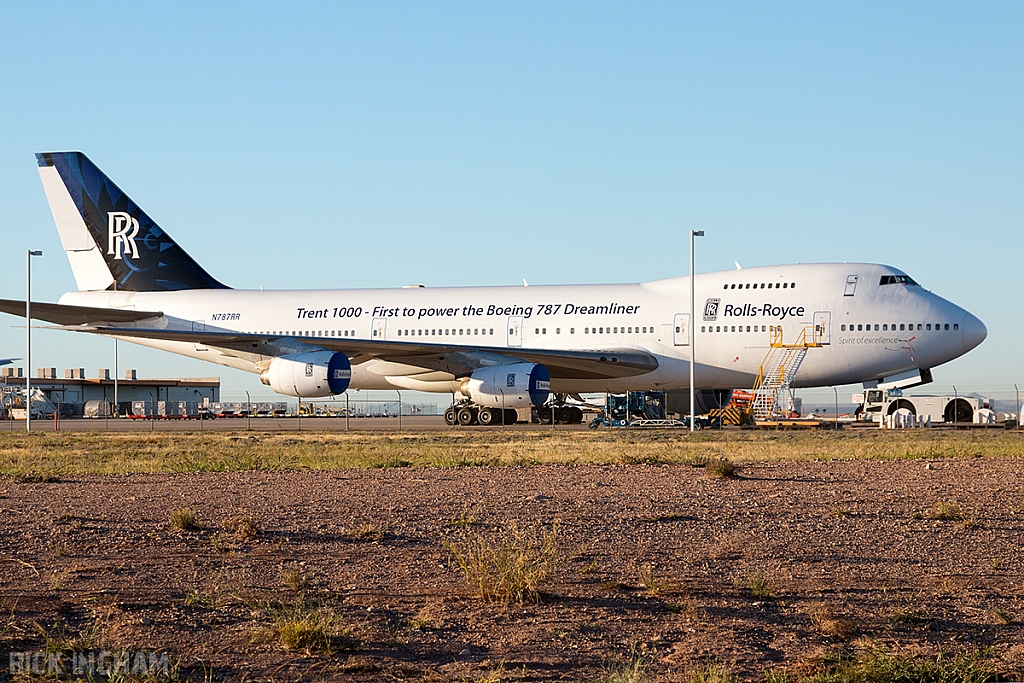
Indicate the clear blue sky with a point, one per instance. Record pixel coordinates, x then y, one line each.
321 145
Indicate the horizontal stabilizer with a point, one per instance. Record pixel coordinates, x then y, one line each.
75 315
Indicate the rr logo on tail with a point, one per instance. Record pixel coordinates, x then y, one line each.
121 231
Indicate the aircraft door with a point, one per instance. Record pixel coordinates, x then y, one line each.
823 327
515 330
681 329
378 329
200 326
851 285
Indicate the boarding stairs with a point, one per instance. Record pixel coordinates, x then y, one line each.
778 370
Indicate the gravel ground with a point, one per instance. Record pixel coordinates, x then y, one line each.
851 553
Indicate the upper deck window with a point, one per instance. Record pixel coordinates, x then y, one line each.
897 280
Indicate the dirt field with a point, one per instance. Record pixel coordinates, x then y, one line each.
662 568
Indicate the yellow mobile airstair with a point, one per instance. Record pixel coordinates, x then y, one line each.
778 369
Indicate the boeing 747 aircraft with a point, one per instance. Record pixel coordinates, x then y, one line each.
493 347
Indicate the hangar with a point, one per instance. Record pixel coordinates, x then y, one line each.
71 392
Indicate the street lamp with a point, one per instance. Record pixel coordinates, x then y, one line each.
693 356
28 337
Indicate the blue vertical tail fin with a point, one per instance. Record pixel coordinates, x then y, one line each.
110 241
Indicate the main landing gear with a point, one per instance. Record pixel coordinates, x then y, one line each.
466 414
566 415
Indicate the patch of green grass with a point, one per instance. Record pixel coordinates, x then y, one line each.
909 616
44 457
389 460
761 586
509 566
313 630
711 673
632 669
463 458
881 666
195 597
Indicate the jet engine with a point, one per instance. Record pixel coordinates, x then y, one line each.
309 375
514 385
705 400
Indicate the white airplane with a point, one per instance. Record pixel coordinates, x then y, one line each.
493 347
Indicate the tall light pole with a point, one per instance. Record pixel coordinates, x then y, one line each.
690 324
28 337
117 369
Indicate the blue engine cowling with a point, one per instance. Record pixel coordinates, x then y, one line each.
315 374
515 385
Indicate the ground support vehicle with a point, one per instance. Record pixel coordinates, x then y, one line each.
878 404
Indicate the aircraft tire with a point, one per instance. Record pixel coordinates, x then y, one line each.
565 415
486 416
449 416
466 417
511 416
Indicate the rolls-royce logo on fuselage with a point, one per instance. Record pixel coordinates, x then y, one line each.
121 231
711 309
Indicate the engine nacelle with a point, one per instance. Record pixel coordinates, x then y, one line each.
309 375
515 385
705 400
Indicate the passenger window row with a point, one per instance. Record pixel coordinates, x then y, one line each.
618 330
903 326
444 333
320 333
733 328
784 285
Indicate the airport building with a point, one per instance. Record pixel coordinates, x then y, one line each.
73 391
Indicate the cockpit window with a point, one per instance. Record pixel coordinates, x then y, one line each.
898 280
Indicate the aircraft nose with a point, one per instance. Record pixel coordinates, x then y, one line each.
974 331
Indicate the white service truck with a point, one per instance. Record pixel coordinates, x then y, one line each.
878 403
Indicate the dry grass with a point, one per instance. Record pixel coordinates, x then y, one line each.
952 512
721 468
645 572
366 533
294 578
829 623
246 528
185 519
41 457
509 566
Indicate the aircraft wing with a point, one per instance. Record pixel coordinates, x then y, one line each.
8 361
75 315
561 364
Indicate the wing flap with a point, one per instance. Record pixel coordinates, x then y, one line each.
561 364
